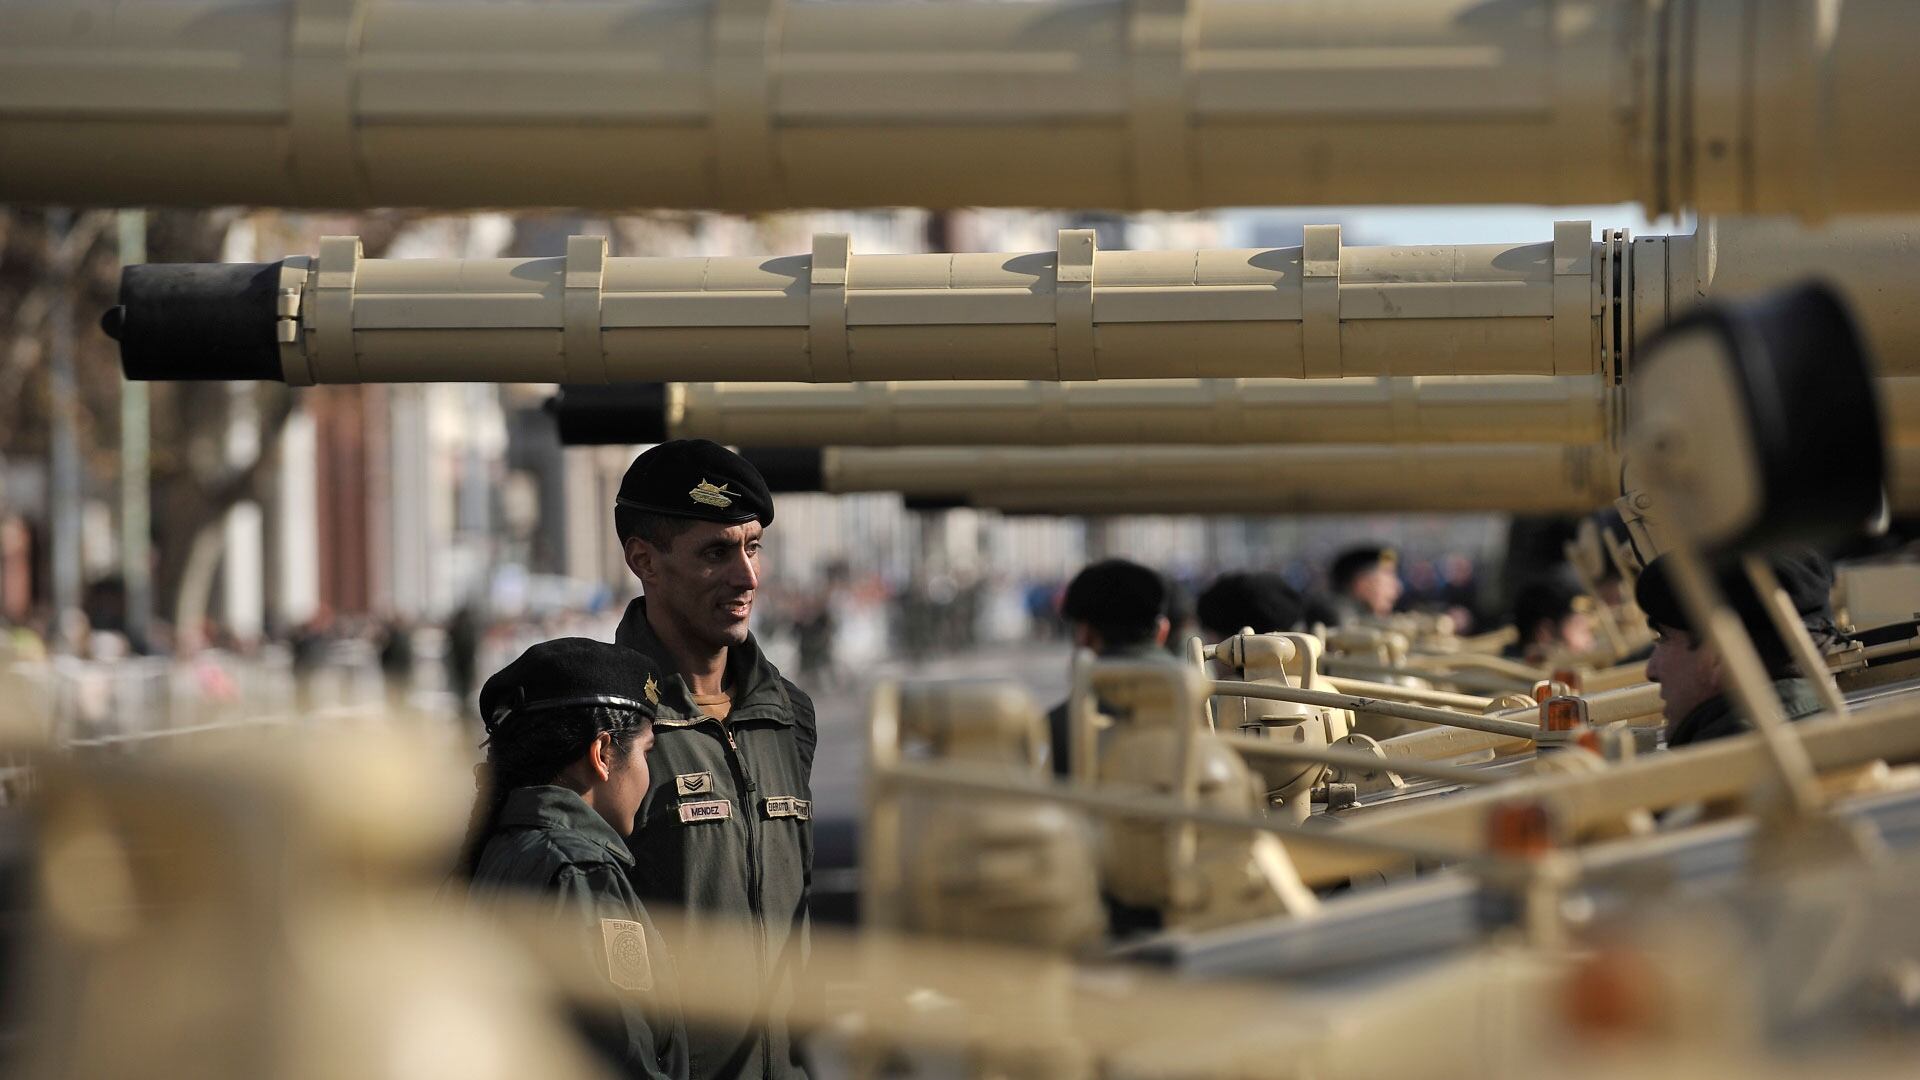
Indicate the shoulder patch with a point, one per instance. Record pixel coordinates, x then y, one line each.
628 963
698 783
715 810
788 806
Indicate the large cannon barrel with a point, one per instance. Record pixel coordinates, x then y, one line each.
1794 107
1237 480
1548 411
1241 480
1575 411
1569 306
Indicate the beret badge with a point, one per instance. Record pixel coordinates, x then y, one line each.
709 494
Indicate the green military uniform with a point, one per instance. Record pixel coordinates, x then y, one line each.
1718 717
726 833
548 840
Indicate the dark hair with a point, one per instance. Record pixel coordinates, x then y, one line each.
531 750
1122 601
658 530
1260 599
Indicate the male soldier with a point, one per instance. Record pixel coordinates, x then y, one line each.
1366 583
1692 684
1555 620
1118 609
725 830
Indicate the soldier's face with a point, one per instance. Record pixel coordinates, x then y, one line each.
704 583
1378 589
1688 673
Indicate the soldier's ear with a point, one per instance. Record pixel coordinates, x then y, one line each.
640 556
600 756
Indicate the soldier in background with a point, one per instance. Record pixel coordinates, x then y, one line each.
1117 609
568 729
1693 693
1261 600
726 828
1555 620
1365 584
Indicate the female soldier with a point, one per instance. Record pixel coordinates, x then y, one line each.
568 728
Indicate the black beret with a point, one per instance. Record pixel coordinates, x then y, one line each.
696 478
1807 577
1115 592
1551 598
1263 601
571 673
1358 560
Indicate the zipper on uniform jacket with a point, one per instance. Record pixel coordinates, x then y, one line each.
755 900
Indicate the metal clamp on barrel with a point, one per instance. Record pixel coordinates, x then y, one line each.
1574 298
1073 307
331 355
583 354
320 115
1159 37
745 34
1320 303
828 358
295 368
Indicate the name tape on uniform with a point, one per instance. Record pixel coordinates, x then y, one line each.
694 783
628 963
788 806
717 810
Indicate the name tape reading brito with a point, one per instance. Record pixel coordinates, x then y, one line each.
788 806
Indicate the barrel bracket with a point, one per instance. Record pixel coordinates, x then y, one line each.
828 357
1574 298
333 356
1074 356
583 354
295 369
1320 303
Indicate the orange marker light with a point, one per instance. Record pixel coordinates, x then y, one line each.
1563 713
1520 829
1568 677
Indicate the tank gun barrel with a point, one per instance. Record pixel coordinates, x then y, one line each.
1256 479
1569 307
1516 478
1734 108
1572 411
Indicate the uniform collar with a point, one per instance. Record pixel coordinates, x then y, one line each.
753 680
1795 695
549 807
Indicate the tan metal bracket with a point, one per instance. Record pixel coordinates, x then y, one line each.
1159 38
1073 307
746 37
827 353
286 326
1574 298
333 357
583 355
1320 302
323 37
